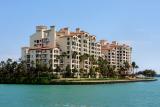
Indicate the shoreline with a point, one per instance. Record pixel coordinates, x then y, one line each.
84 81
92 82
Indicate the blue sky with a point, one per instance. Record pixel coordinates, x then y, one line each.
136 22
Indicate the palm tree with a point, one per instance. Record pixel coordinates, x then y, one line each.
133 66
39 68
127 67
121 71
62 57
9 67
50 63
50 69
58 69
74 70
74 54
68 71
103 66
82 58
92 60
9 61
92 71
64 54
2 64
111 71
32 69
22 69
32 63
14 66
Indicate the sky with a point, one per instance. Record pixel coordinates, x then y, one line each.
135 22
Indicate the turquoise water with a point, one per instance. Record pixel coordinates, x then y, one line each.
140 94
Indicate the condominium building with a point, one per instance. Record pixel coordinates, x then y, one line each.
116 54
47 45
78 42
42 48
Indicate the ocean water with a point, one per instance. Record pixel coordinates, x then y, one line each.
140 94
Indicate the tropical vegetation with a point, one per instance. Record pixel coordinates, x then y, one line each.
147 73
19 72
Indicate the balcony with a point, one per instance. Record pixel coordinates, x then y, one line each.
86 66
74 61
56 61
85 41
56 51
73 43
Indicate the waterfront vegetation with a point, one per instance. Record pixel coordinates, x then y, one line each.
18 72
147 73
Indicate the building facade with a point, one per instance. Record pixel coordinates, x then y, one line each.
65 48
116 54
48 46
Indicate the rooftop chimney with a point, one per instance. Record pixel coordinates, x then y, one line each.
40 28
103 42
66 30
52 27
77 30
114 42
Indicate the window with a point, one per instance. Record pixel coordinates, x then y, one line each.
74 38
55 51
68 56
37 55
28 56
84 41
73 43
